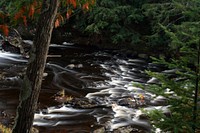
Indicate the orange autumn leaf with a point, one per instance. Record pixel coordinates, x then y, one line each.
69 12
60 18
85 6
18 15
31 11
24 20
57 23
4 29
73 2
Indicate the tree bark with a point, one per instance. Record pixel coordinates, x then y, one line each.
33 78
195 108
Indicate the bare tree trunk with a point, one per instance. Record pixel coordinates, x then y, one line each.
33 79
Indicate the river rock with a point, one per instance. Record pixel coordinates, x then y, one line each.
143 56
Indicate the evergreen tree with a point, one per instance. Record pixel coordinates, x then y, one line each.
183 83
113 21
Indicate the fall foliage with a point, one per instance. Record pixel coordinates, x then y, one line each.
4 29
29 10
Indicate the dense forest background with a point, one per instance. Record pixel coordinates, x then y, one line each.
127 24
122 24
135 25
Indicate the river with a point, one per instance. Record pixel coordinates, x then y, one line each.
97 85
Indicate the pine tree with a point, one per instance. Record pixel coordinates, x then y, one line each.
183 83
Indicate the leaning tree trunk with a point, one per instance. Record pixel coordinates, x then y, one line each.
33 78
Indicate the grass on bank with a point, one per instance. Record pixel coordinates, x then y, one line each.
4 129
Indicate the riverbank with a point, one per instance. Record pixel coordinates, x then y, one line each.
61 34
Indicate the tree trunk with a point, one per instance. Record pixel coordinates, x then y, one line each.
33 79
195 108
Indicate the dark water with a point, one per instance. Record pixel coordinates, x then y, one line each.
98 86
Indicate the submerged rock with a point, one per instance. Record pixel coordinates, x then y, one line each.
13 43
125 129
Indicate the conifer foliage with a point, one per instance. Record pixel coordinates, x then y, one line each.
182 81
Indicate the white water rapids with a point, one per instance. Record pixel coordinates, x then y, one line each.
104 77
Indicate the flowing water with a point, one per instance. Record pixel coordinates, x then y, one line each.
97 85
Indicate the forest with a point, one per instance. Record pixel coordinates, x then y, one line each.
93 66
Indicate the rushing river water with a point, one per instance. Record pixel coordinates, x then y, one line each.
98 87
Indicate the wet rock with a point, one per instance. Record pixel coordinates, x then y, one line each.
77 102
158 101
129 102
34 130
100 130
27 32
143 56
13 43
84 103
6 46
128 129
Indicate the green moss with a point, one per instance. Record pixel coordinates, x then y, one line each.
26 89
